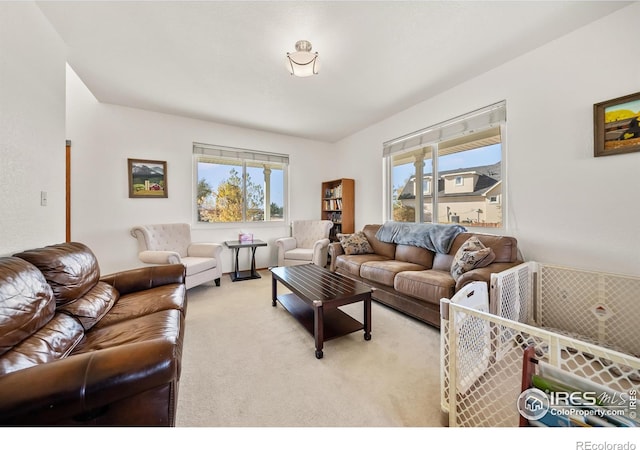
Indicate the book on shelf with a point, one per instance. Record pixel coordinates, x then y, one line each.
333 204
333 192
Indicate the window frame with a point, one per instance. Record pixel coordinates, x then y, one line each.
243 158
479 121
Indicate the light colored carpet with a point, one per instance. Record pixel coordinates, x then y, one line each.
248 364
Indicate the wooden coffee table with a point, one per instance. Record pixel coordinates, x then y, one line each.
316 294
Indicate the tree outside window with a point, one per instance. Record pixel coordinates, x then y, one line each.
239 190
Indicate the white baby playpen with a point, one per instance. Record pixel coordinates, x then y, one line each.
579 321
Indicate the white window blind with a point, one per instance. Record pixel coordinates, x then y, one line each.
475 122
218 151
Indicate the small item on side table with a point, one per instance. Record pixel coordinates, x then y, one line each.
245 237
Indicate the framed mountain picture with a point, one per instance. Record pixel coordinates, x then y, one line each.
147 179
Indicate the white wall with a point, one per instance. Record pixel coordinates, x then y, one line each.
32 136
551 173
103 137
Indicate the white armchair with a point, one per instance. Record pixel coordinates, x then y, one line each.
171 244
309 243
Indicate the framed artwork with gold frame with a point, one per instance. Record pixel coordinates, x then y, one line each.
616 125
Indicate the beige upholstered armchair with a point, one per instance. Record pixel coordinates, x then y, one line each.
171 244
309 243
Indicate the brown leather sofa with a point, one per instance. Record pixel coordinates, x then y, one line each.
77 349
412 279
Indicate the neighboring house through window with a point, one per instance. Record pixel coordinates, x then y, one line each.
239 185
460 164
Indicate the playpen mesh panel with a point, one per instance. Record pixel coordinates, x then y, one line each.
491 398
599 306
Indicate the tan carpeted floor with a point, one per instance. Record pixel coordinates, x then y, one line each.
248 364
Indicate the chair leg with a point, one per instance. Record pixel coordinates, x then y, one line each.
217 280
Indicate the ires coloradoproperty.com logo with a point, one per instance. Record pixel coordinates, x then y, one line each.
573 408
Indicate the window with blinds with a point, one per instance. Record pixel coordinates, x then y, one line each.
239 185
459 163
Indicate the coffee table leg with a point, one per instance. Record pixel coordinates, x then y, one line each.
318 330
367 319
274 291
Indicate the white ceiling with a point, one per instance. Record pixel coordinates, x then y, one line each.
224 61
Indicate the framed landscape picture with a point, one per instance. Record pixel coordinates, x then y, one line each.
147 179
616 127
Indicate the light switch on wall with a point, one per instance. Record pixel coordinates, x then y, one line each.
43 198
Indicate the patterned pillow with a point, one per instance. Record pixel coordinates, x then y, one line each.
355 244
471 255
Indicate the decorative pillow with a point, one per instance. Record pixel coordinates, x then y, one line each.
472 254
355 244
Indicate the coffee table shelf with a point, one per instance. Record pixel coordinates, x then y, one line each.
336 322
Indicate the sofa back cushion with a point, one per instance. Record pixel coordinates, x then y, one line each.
26 302
174 237
71 269
308 232
416 255
381 248
505 249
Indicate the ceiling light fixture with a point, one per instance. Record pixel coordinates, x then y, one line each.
302 63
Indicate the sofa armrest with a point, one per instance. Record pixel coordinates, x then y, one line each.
285 244
483 273
81 385
319 245
335 249
205 250
320 252
136 280
159 257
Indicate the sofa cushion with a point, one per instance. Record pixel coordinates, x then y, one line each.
159 325
26 301
142 303
471 255
381 248
350 264
196 264
71 269
427 285
384 272
92 307
55 340
355 243
299 254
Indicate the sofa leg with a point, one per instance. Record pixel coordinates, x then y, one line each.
217 280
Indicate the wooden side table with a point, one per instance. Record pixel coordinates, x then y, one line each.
240 275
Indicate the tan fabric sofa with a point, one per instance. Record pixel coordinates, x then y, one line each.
413 279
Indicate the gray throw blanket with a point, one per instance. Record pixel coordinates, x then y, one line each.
435 237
